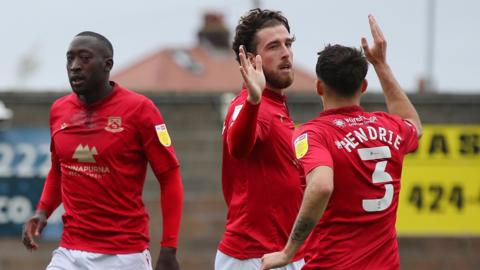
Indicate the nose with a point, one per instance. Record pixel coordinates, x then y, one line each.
74 64
286 51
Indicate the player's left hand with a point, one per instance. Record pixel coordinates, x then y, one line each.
377 53
167 259
274 260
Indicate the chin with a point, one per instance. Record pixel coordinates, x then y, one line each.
281 83
78 90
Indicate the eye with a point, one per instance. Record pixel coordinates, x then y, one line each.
273 46
84 57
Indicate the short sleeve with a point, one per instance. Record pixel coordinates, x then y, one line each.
410 135
407 131
156 140
310 150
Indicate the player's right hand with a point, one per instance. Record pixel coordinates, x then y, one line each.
33 228
274 260
253 76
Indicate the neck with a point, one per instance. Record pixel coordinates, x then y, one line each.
330 102
95 96
278 91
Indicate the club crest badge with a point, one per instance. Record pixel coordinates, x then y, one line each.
114 124
301 145
162 135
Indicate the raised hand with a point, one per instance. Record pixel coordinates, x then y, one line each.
376 54
33 228
252 75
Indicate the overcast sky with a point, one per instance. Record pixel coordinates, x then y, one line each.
38 33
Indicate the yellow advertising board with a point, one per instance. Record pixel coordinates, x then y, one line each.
440 193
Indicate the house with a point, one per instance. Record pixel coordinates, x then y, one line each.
208 67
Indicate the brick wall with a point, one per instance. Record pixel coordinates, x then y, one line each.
195 123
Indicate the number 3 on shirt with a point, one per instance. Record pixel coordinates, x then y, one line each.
379 176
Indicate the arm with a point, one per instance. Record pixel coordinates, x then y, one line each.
242 135
315 200
158 148
50 199
396 99
171 204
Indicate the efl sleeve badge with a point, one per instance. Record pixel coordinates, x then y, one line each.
301 145
162 135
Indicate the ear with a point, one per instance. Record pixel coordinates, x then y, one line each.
251 58
364 85
108 64
320 87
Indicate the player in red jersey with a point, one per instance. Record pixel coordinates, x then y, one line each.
261 178
353 162
102 137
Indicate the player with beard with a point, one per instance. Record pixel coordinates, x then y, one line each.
262 183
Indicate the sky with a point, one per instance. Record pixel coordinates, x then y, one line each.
36 34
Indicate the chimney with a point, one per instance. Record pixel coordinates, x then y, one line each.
214 33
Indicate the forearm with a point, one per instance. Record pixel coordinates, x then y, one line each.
315 200
171 205
241 135
51 196
397 101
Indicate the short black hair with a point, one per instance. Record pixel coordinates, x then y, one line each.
107 44
342 68
249 24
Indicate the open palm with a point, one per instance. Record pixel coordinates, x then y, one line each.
252 75
377 53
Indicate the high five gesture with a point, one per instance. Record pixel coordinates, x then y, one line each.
252 74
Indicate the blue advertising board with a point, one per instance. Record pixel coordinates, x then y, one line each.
24 164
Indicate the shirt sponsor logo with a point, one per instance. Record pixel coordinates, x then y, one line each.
360 120
114 124
93 171
85 154
339 123
88 169
301 145
162 135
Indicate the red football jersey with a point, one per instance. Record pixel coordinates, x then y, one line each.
100 155
366 151
263 190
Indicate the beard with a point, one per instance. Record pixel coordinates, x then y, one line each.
278 81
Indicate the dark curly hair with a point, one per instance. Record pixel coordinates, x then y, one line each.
342 68
249 24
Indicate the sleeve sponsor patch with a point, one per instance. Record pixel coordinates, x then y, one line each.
236 111
301 145
162 135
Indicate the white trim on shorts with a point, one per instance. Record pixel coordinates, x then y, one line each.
225 262
69 259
